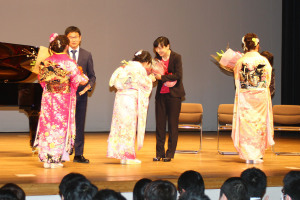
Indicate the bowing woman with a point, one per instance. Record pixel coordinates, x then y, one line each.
133 86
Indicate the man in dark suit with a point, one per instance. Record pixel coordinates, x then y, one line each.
84 59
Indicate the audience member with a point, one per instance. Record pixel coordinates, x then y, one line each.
67 180
81 189
107 194
193 194
19 192
190 179
256 181
291 191
7 195
234 188
160 190
139 189
291 186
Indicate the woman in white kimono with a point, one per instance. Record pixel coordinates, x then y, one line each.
130 108
252 130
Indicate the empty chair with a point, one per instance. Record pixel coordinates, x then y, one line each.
286 118
190 118
225 115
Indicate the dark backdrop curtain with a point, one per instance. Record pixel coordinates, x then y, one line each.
290 68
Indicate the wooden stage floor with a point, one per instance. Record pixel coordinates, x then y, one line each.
20 166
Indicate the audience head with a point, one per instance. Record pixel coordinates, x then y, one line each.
67 180
269 56
107 194
139 189
234 189
7 195
190 179
58 43
193 194
291 185
142 57
19 192
250 42
81 189
256 181
160 190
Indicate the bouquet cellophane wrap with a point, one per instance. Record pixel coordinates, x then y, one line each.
229 59
158 67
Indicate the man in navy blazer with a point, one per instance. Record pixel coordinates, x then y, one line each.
84 59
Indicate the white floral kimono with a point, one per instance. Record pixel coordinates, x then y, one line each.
130 110
252 130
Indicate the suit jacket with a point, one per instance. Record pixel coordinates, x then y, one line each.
85 60
175 67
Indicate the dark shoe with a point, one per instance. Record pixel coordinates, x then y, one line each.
167 159
80 159
157 158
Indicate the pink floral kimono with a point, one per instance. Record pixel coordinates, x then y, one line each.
252 130
130 110
59 78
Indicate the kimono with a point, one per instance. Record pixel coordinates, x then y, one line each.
59 78
252 130
130 110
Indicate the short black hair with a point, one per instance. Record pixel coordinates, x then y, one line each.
234 188
19 192
190 179
108 194
193 194
82 189
71 29
293 189
256 181
139 188
67 180
160 189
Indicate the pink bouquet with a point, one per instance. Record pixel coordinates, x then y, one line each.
158 67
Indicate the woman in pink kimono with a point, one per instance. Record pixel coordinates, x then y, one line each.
130 108
59 78
252 130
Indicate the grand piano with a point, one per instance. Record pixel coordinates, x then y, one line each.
18 84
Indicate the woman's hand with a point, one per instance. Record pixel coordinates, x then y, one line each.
157 76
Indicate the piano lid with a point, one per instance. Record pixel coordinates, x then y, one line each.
16 62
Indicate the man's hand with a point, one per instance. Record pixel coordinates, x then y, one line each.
85 89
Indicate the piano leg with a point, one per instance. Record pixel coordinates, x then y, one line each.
33 116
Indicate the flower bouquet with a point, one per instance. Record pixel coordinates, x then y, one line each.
227 60
158 67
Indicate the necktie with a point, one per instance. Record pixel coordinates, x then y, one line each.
73 56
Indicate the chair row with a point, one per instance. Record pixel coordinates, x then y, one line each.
286 118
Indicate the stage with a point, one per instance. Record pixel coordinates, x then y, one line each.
19 165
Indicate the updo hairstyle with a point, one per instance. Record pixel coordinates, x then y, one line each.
59 44
248 43
142 56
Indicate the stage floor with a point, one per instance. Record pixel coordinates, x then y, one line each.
20 166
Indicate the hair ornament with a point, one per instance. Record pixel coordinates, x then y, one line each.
58 44
52 37
244 45
256 41
138 53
